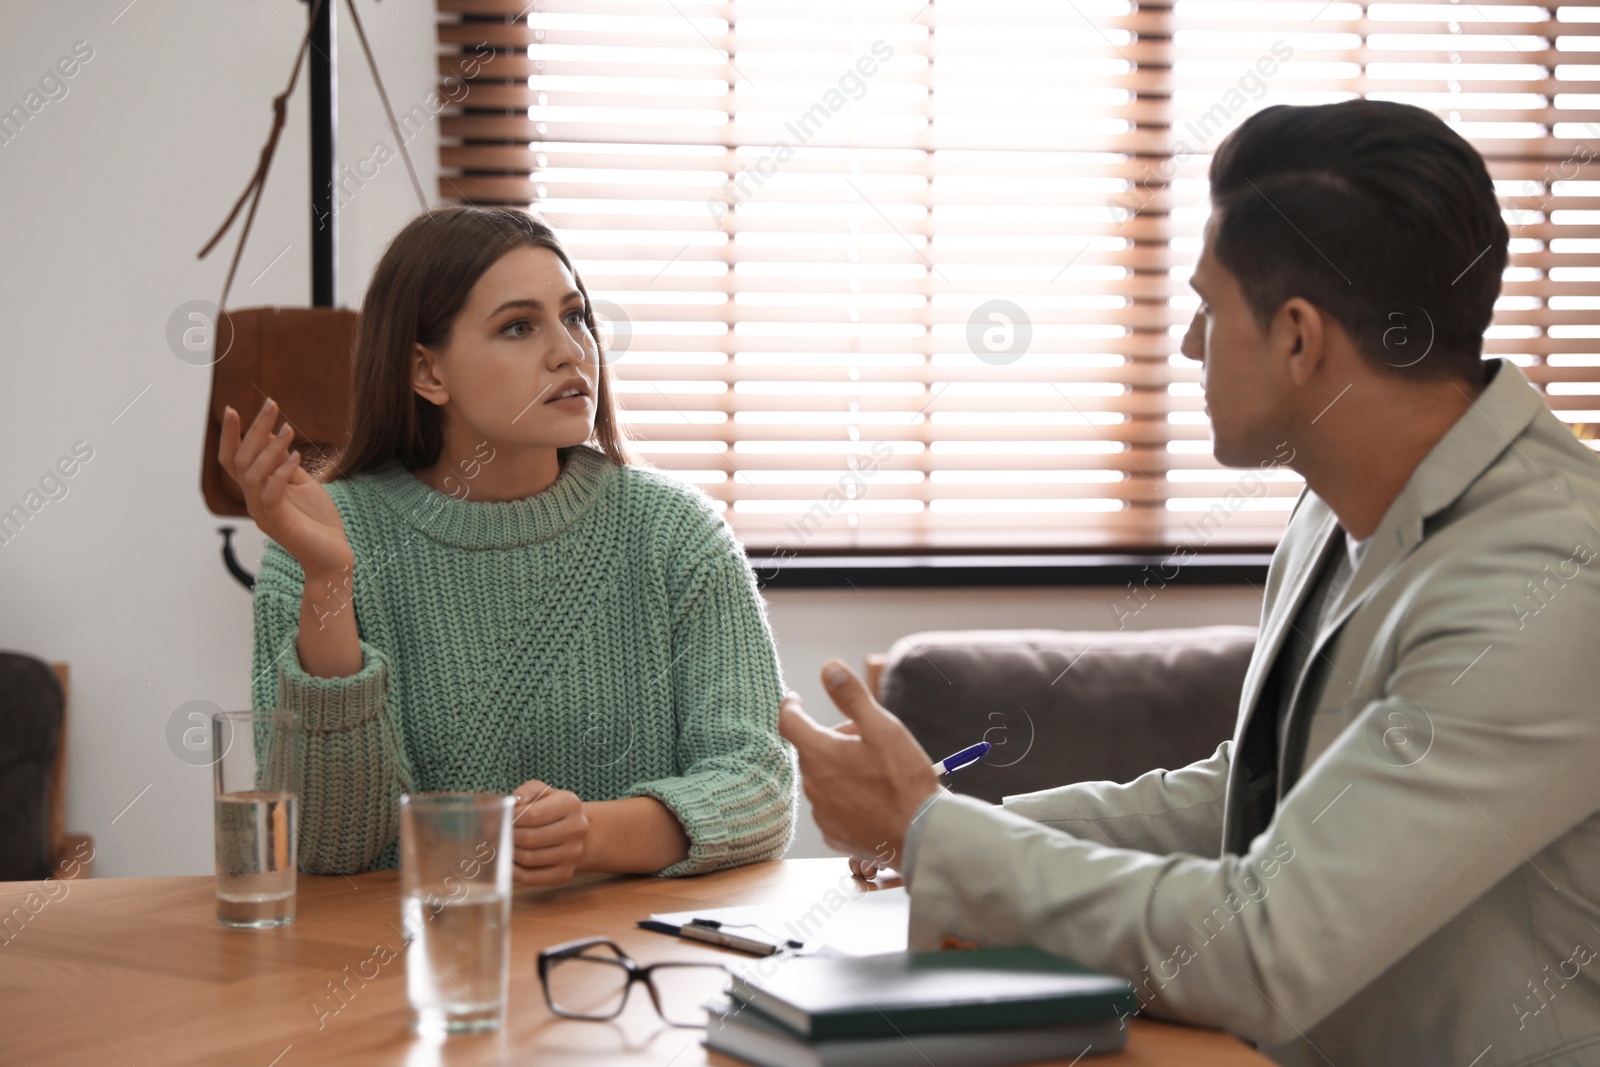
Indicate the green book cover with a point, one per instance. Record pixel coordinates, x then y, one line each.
822 998
739 1030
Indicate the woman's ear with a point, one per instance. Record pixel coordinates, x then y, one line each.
426 376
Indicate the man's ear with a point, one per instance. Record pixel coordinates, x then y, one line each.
426 377
1299 336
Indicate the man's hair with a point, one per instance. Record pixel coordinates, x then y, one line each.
1376 212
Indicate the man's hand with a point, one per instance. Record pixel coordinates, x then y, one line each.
549 832
866 779
865 867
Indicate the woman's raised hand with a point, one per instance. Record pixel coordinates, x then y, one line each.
289 505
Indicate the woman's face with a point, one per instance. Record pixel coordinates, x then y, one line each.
517 353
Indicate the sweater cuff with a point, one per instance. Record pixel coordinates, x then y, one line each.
333 705
703 821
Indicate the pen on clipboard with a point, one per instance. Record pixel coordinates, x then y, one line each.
710 932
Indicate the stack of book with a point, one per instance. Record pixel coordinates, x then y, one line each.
973 1008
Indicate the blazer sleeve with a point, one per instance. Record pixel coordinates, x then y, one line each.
1159 811
352 767
736 791
1363 859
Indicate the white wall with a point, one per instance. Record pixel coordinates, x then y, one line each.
105 197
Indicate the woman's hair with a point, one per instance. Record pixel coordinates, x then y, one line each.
417 290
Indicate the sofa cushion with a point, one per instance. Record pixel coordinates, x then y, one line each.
1067 706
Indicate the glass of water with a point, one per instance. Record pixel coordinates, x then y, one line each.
253 767
455 902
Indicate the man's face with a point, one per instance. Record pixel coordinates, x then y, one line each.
1243 382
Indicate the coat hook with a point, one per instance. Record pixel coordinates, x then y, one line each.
244 577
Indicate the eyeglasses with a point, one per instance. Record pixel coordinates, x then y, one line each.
590 979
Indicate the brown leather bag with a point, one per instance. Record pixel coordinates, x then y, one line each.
299 356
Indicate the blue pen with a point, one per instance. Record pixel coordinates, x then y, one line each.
965 758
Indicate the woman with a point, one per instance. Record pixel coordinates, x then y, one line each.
479 592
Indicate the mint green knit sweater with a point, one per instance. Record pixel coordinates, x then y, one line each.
603 636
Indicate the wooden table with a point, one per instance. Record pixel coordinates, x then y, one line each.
137 971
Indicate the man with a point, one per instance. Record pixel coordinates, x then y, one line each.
1396 858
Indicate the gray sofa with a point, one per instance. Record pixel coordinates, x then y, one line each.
1067 706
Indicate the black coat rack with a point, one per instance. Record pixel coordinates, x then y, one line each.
324 221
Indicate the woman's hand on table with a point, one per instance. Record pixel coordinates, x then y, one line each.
549 834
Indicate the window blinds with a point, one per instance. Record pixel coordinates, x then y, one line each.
887 275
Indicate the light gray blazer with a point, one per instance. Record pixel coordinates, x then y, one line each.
1428 890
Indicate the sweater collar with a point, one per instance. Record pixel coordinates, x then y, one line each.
466 523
